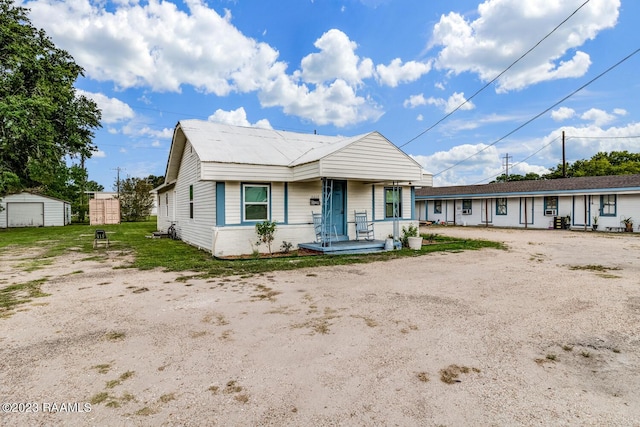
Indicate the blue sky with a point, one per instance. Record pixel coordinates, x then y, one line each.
355 66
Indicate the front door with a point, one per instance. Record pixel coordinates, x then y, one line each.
337 213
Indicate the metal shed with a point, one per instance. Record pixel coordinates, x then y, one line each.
33 210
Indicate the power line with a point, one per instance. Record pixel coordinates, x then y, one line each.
543 112
496 77
521 161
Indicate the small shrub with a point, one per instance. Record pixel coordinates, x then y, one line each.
266 231
286 246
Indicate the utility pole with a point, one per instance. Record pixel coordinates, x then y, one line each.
118 178
564 159
507 158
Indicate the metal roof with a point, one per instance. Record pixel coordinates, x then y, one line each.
215 142
600 184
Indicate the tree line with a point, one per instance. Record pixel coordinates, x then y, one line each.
601 164
46 126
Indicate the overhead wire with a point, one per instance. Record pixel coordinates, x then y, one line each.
496 77
541 113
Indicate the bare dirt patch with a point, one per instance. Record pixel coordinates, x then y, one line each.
539 334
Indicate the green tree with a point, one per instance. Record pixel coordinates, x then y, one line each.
136 199
155 181
613 163
43 121
530 176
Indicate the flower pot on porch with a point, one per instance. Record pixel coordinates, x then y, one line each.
415 243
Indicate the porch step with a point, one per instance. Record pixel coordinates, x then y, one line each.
346 247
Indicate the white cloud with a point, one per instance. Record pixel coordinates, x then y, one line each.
113 110
505 29
397 72
157 46
336 103
238 118
562 113
620 111
598 117
420 118
415 101
99 154
454 101
336 60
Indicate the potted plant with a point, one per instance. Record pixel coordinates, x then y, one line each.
410 237
628 224
595 223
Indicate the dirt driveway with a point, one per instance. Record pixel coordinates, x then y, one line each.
544 333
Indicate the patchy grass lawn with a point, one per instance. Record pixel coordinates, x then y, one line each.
129 238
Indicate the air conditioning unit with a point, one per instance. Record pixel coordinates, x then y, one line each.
466 211
551 212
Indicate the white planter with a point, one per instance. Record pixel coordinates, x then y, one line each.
415 243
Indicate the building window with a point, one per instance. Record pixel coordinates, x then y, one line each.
392 198
437 206
551 203
166 202
191 201
466 206
608 205
256 202
501 206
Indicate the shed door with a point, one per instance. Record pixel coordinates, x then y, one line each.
28 214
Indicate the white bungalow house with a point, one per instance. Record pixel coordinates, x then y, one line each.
221 180
33 210
576 202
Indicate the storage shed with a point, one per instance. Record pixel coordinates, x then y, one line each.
33 210
104 211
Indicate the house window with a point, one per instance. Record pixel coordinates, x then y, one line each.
466 206
256 202
608 205
437 206
392 198
166 200
191 201
501 206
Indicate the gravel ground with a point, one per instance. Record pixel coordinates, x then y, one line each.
544 333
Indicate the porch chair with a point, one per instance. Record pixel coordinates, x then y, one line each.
363 226
317 227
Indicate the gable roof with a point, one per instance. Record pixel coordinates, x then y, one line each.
227 152
216 142
593 184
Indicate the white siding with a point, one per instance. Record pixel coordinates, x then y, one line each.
573 206
277 202
371 158
232 203
306 171
299 206
244 172
197 230
165 209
